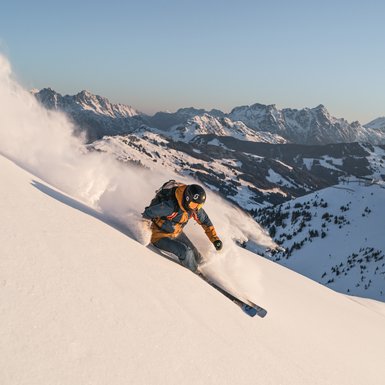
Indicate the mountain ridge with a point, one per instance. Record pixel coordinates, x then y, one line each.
99 117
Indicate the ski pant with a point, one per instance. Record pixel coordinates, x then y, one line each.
183 248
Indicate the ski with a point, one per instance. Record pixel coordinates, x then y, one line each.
248 307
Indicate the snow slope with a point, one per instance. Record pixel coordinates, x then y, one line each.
81 302
334 236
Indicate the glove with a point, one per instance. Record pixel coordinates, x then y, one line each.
218 244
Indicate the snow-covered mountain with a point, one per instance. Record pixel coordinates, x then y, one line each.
305 126
98 117
244 178
84 101
166 120
207 124
376 124
248 173
247 166
258 122
93 114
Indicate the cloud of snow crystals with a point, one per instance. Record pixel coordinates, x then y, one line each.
42 142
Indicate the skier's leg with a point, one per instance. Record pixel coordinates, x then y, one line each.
184 253
197 255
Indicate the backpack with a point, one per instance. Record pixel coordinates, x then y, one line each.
166 192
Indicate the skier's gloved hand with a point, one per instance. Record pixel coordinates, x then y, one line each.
218 244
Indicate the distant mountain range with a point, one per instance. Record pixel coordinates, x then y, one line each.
98 117
249 167
250 174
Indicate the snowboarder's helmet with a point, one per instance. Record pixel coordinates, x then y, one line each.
194 196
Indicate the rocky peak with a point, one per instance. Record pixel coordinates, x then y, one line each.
376 124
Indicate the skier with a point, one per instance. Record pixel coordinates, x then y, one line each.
174 204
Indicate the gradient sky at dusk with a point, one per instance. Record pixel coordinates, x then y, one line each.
163 55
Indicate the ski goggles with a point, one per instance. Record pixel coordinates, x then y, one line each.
195 205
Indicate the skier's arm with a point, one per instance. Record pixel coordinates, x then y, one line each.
203 219
162 209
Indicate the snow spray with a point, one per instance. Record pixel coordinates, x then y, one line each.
42 142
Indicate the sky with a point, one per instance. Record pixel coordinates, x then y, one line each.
164 55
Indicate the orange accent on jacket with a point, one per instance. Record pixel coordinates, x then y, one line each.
170 217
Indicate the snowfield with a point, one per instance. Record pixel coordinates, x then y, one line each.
83 303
